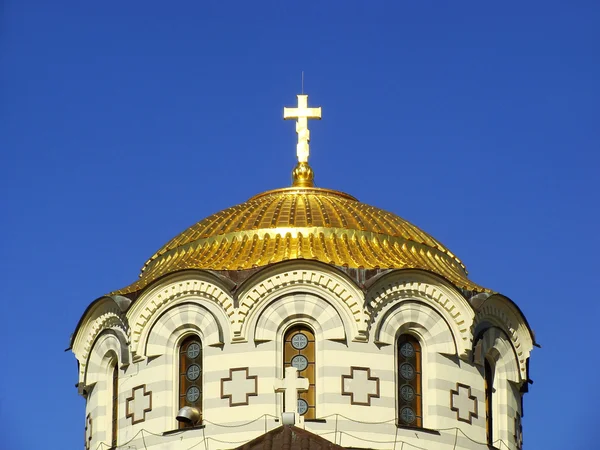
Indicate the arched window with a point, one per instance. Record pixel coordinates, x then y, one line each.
115 405
410 403
488 373
190 374
299 352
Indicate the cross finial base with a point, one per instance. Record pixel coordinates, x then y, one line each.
303 175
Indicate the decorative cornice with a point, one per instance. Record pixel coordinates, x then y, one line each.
397 286
303 278
147 306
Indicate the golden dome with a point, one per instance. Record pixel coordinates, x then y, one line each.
303 223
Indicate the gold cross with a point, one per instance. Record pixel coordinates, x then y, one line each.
302 113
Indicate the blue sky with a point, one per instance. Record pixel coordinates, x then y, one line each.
125 122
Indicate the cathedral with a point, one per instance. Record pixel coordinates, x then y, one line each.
303 319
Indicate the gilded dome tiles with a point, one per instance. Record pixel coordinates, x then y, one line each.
303 223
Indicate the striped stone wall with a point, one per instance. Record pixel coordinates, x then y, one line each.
244 331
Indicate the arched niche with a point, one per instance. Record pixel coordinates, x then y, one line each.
500 312
493 343
109 344
186 316
188 286
419 286
308 277
412 317
298 306
105 313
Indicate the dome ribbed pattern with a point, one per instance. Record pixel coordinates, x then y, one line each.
303 223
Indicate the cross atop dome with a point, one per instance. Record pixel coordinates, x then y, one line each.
302 175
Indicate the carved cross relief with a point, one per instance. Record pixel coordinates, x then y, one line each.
239 387
138 404
360 386
290 385
463 403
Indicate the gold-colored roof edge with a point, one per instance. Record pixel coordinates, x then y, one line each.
304 190
139 286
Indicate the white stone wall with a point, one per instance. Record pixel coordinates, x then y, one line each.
352 328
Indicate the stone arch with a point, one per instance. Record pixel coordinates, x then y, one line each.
416 317
105 314
109 345
303 306
497 346
185 286
498 311
307 277
401 285
189 316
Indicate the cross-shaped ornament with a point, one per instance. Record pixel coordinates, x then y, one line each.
302 113
463 403
135 406
290 385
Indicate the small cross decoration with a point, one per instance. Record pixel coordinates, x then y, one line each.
134 405
239 387
463 403
360 386
290 385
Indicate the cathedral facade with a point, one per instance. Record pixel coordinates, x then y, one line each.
308 314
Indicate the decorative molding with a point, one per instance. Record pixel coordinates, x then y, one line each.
494 343
110 320
454 307
308 280
299 305
352 393
496 314
88 432
247 393
107 350
182 288
181 316
419 317
457 394
131 413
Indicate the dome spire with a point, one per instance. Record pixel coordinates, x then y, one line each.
302 175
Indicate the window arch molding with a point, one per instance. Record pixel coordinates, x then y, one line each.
421 320
194 286
108 346
434 335
313 278
493 346
437 293
185 316
102 363
303 306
